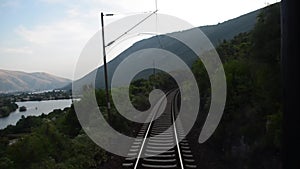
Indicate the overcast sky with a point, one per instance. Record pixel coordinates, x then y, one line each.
48 35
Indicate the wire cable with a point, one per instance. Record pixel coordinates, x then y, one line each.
130 29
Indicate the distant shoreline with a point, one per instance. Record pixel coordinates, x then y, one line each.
8 101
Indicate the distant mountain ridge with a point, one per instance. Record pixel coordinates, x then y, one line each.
13 81
215 33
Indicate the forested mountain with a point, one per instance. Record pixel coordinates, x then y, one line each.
250 132
216 33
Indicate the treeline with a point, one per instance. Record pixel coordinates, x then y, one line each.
249 134
7 106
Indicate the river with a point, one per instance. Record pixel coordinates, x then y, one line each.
34 108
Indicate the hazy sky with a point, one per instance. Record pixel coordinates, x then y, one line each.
48 35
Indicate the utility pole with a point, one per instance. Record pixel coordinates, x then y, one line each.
105 66
104 54
154 73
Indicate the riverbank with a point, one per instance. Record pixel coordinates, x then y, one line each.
40 96
33 108
55 140
8 101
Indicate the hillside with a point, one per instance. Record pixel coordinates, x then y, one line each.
12 81
216 33
227 30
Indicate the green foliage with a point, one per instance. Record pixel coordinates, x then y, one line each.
201 76
266 36
6 163
163 81
239 47
140 89
24 125
6 107
249 135
139 92
49 141
69 124
274 131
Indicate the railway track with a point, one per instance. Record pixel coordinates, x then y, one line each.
164 150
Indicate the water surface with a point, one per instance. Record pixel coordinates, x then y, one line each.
34 108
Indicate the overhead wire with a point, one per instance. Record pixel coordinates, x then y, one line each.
130 29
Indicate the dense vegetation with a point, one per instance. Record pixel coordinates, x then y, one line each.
52 141
249 135
57 140
6 107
